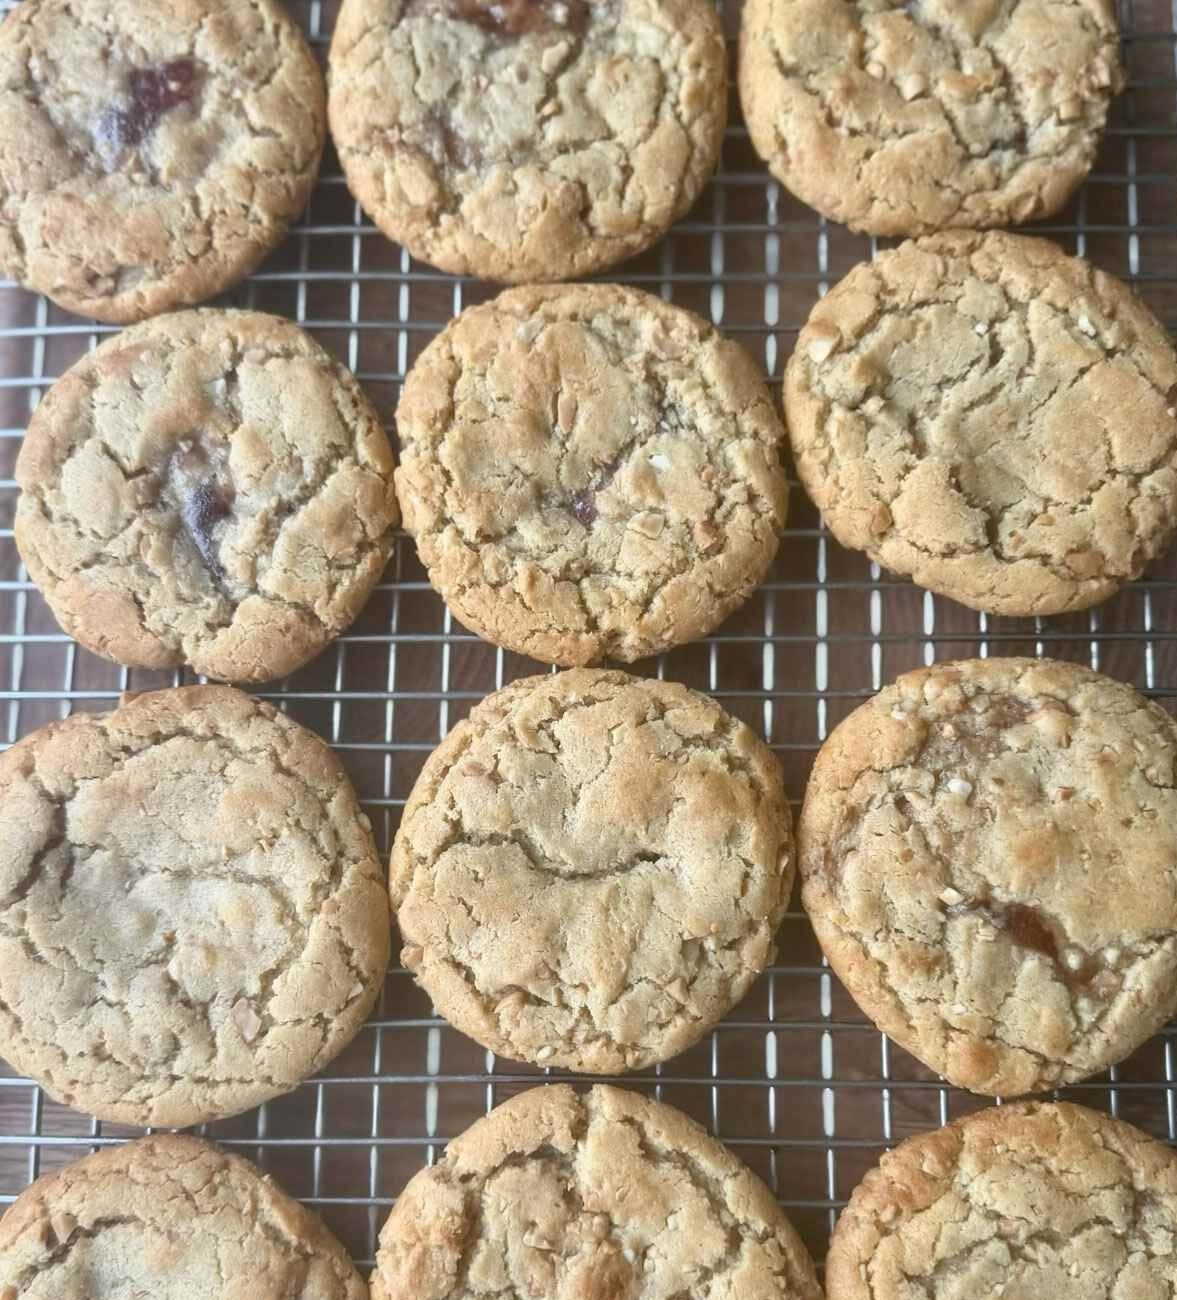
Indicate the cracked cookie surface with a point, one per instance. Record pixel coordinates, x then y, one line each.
589 473
591 869
192 916
1019 1201
209 488
171 1217
901 118
605 1195
531 139
992 418
151 155
988 854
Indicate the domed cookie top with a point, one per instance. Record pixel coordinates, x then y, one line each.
209 488
988 854
606 1194
589 473
530 139
591 869
193 917
991 417
1015 1201
901 118
152 153
173 1218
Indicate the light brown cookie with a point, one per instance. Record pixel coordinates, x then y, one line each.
192 917
1026 1202
991 417
173 1218
600 1196
591 869
211 488
589 473
151 154
988 855
900 119
528 139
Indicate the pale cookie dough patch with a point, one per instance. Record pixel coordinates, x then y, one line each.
901 118
605 1195
151 153
589 473
989 858
591 870
530 139
211 488
192 917
991 417
1020 1201
169 1217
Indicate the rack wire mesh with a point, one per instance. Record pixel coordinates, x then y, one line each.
795 1080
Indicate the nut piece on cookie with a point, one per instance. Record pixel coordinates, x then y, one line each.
988 854
211 488
171 1217
194 917
992 418
153 153
606 1195
591 870
589 473
902 119
529 139
1032 1199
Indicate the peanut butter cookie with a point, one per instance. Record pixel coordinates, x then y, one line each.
591 869
991 417
989 859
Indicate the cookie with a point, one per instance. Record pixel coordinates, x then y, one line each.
591 869
528 139
988 855
212 489
169 1217
152 153
589 473
602 1194
1031 1200
192 917
992 418
900 119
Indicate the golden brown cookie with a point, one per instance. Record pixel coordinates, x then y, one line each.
589 472
900 118
1027 1202
529 139
988 855
591 869
600 1195
151 154
991 417
210 488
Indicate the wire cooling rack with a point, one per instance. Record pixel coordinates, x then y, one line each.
795 1080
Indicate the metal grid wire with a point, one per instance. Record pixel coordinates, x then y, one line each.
795 1080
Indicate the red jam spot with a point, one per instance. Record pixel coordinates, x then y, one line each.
521 17
152 93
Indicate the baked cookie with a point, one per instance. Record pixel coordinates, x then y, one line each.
989 859
602 1194
527 139
900 118
591 869
192 917
151 154
991 417
169 1217
211 488
589 473
1024 1201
